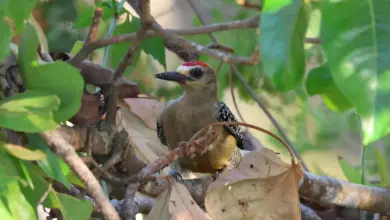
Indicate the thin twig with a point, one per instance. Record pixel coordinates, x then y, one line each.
112 28
146 20
234 96
46 193
97 16
269 115
237 24
201 19
66 151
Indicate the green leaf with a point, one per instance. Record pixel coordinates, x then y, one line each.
76 47
8 170
24 153
352 173
28 50
320 82
86 11
382 167
281 42
71 208
155 47
271 5
354 36
117 51
61 79
13 204
52 165
19 10
74 179
34 195
5 37
31 111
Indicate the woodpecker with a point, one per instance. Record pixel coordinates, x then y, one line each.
196 108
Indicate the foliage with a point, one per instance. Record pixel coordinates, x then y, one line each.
350 76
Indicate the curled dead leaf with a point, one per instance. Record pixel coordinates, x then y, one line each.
176 203
261 187
146 109
89 111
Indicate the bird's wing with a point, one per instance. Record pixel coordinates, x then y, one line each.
160 131
159 124
225 115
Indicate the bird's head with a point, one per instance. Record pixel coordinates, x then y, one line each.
192 76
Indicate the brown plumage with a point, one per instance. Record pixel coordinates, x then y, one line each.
196 108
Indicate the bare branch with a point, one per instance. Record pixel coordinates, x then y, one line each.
95 25
66 151
328 190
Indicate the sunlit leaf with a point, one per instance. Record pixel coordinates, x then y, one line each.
52 165
320 82
282 43
353 174
13 204
382 167
76 47
61 79
354 35
31 111
24 153
271 5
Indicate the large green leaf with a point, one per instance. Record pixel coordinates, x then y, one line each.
34 195
13 204
156 48
355 40
320 82
61 79
27 50
19 10
117 51
71 208
31 111
5 37
281 42
52 165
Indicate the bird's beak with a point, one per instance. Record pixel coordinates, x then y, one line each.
172 76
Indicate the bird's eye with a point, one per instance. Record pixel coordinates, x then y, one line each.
196 73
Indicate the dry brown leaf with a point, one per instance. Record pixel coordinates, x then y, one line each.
176 203
88 113
145 109
147 145
261 187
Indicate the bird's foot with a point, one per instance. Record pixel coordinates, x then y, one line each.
176 175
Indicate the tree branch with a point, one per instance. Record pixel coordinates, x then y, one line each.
66 151
327 190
